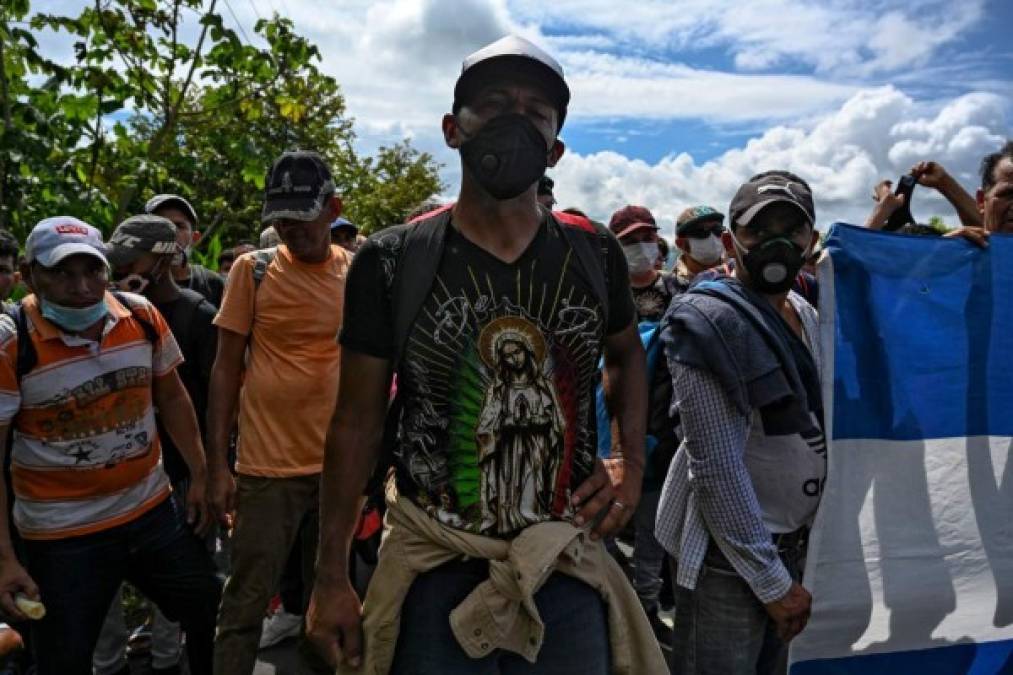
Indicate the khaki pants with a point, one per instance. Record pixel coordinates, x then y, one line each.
269 512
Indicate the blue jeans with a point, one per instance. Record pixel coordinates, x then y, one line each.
576 640
78 577
721 627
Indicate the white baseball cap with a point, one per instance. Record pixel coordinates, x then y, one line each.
54 239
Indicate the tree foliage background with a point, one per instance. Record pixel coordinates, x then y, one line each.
142 110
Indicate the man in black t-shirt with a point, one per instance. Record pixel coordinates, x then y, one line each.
495 378
210 285
141 252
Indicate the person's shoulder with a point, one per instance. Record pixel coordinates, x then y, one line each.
802 306
197 301
8 327
132 300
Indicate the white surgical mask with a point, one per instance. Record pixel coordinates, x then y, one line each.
706 251
640 257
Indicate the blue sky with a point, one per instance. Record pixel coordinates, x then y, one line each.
676 102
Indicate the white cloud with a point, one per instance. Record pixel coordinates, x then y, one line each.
628 87
804 78
878 133
839 36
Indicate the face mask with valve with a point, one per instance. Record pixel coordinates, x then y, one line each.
772 264
506 156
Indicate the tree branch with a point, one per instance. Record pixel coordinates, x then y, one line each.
5 95
168 124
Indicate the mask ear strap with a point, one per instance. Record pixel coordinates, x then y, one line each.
738 245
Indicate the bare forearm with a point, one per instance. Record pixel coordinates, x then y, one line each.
6 548
350 455
222 403
962 202
180 422
627 379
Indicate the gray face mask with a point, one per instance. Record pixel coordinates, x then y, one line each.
641 257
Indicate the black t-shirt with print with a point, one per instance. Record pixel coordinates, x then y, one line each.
651 301
497 377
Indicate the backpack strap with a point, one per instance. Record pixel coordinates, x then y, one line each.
417 263
261 261
150 332
27 357
590 243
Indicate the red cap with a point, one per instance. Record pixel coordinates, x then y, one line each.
631 218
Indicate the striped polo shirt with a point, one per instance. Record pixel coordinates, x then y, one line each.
86 455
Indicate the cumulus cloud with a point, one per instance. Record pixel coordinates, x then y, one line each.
877 133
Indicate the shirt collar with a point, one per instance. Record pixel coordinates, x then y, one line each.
50 331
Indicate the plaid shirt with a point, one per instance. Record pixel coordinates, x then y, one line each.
709 492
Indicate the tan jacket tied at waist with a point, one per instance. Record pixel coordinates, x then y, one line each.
499 613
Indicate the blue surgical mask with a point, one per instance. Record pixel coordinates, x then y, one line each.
73 319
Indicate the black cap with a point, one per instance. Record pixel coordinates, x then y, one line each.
506 57
771 187
141 234
296 187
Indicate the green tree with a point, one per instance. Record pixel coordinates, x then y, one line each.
939 225
140 111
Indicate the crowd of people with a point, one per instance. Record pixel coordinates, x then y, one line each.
555 422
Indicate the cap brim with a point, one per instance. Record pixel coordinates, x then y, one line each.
118 256
292 209
513 66
750 213
158 201
690 225
56 255
634 227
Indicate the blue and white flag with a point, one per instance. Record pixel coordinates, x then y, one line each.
911 560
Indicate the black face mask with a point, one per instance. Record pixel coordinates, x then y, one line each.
506 156
772 265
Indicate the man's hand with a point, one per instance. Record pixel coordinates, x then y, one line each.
791 613
13 580
614 485
886 203
976 235
198 510
334 622
223 495
931 175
